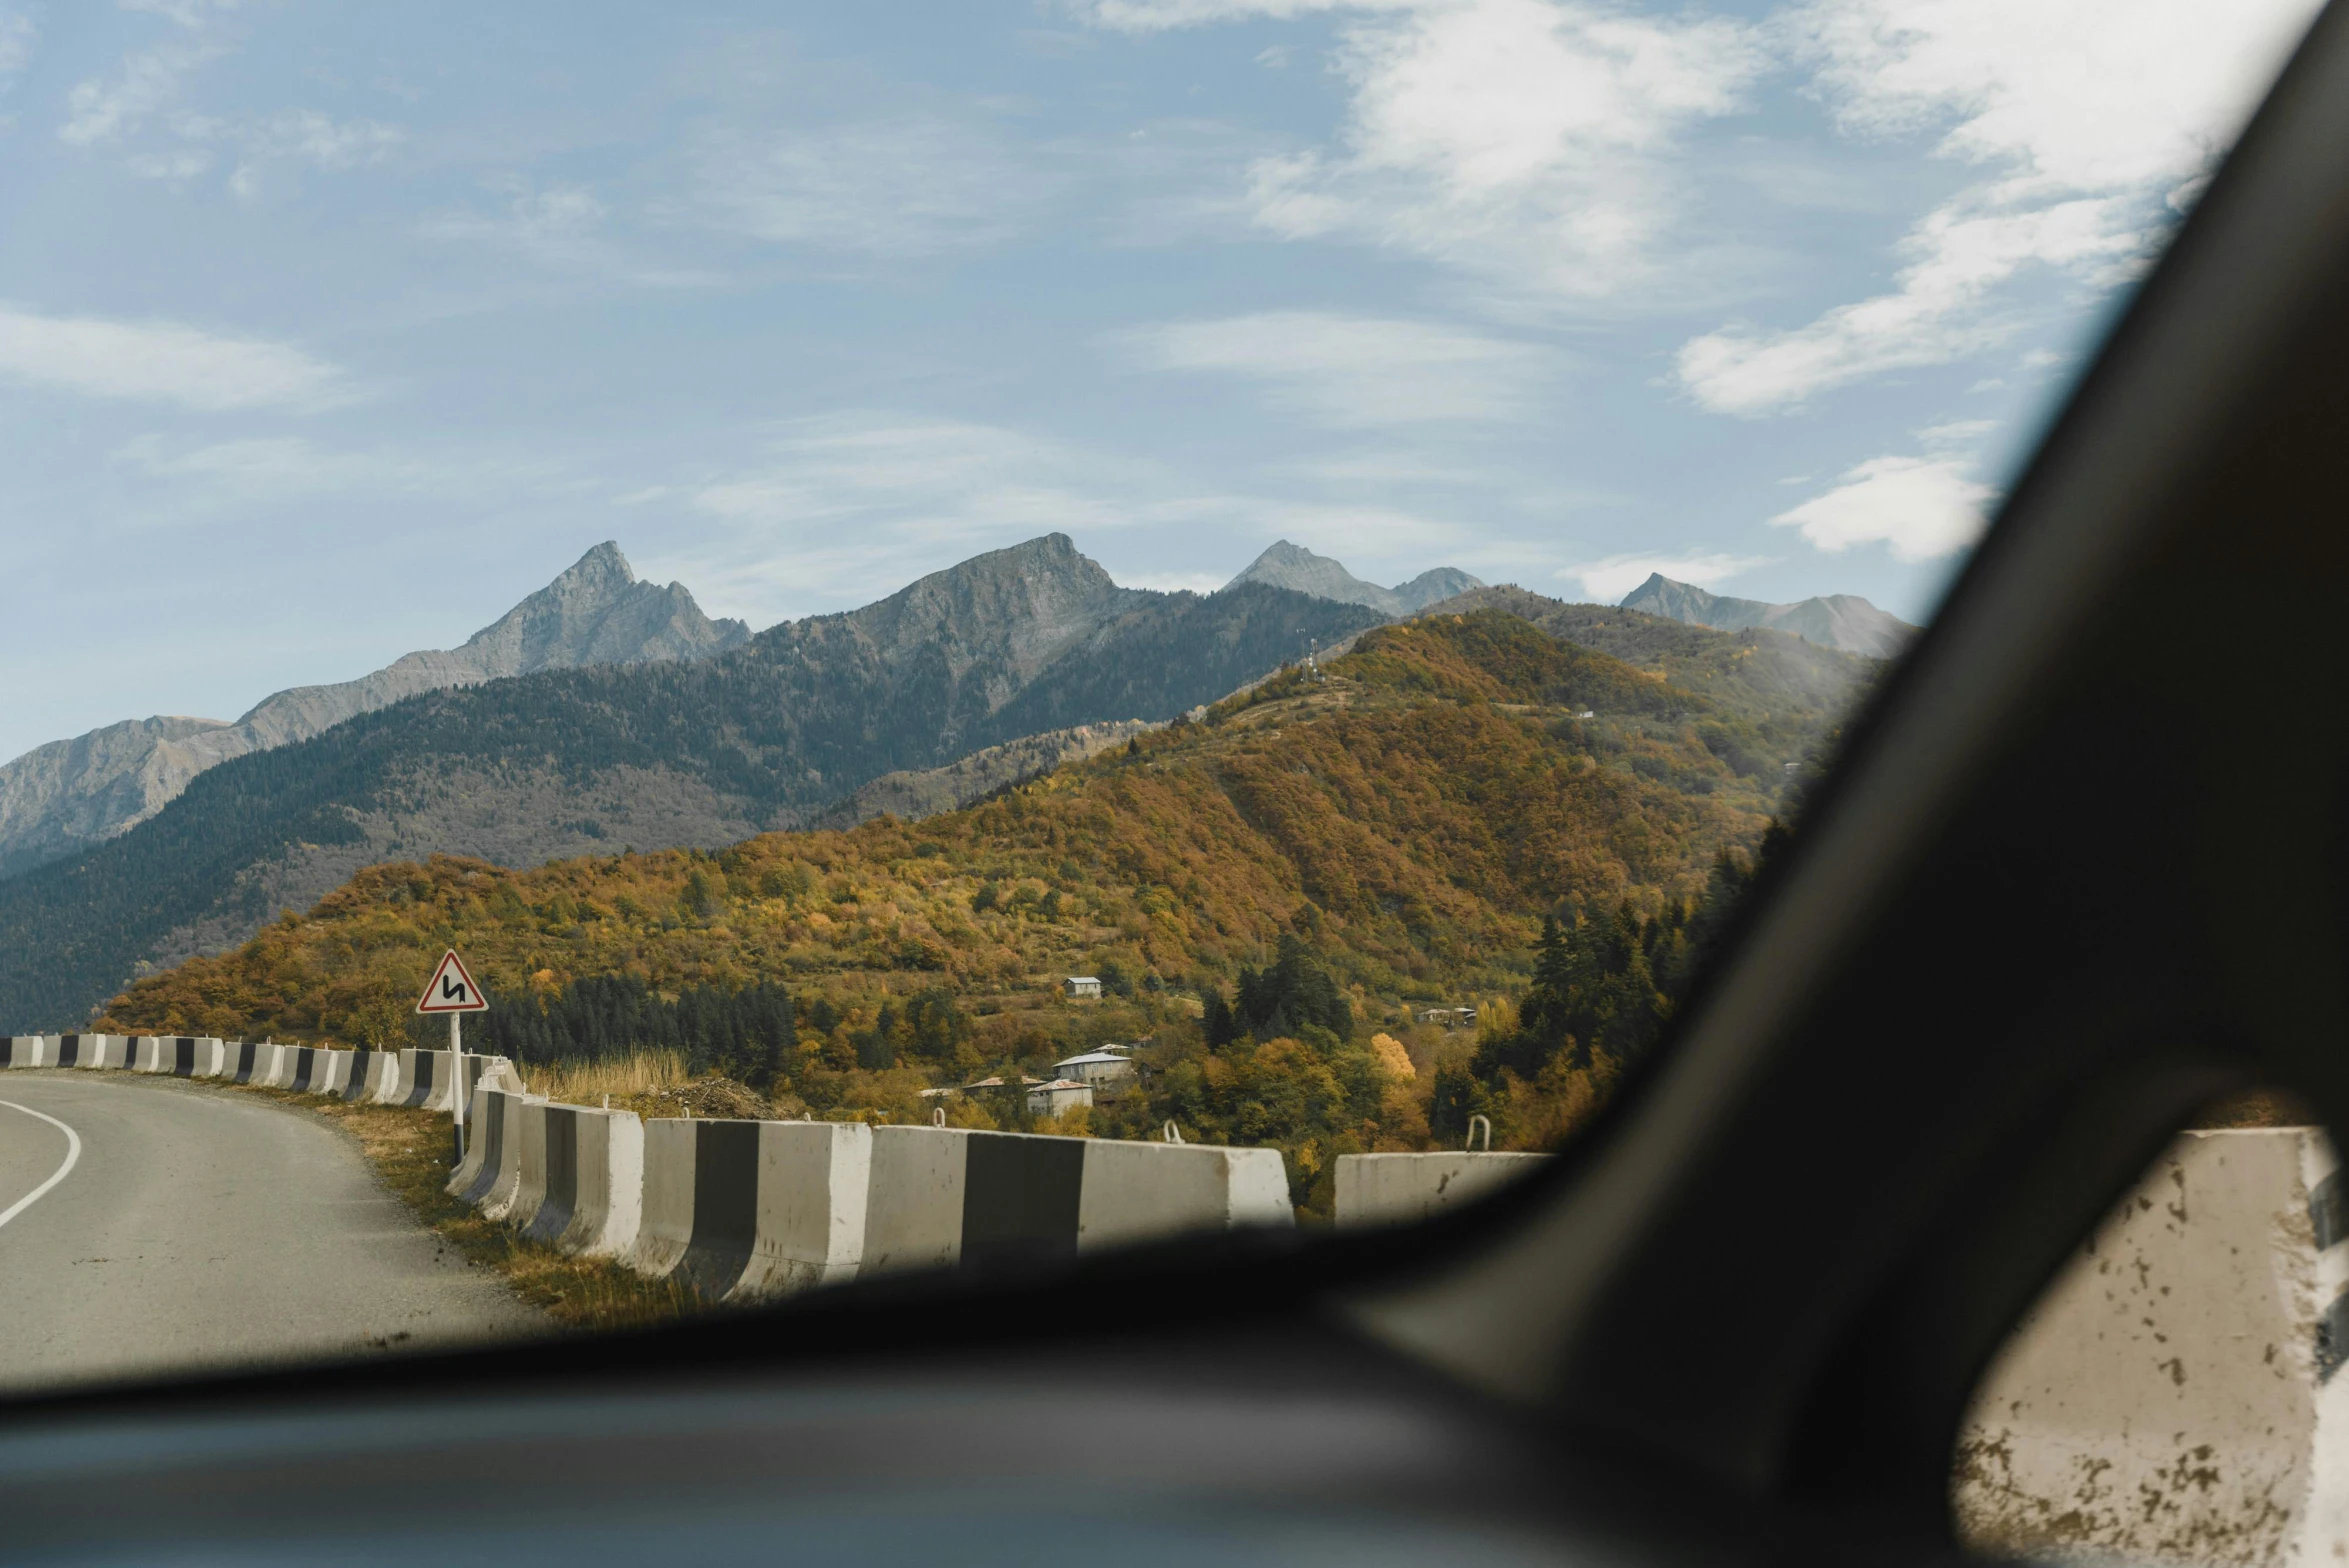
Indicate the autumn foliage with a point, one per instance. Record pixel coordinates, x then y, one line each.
1407 822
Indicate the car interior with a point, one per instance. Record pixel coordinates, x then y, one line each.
1738 1321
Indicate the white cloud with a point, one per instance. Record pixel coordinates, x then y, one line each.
1353 371
2092 121
325 142
178 163
848 502
1156 16
205 479
99 111
1921 507
1529 141
1938 313
163 362
187 13
270 465
913 185
1608 580
18 35
556 220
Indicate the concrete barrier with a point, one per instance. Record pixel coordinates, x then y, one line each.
300 1068
493 1072
589 1189
1399 1189
497 1181
354 1082
421 1080
484 1139
945 1196
742 1210
189 1056
28 1050
370 1076
148 1053
90 1050
116 1051
2176 1396
271 1069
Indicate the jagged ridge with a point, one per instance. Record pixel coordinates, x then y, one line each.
73 793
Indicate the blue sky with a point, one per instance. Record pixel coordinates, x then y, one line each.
327 331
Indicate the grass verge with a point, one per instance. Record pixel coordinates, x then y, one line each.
410 1150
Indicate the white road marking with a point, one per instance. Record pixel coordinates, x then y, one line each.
73 1154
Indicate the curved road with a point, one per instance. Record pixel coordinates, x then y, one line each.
200 1228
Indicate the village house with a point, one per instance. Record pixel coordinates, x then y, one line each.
1050 1099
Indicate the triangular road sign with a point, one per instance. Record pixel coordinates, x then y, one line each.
451 989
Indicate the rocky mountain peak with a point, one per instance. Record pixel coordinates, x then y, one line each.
1841 620
72 793
1022 605
1286 565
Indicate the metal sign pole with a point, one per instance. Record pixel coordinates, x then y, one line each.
457 1084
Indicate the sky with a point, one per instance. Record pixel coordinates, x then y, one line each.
329 331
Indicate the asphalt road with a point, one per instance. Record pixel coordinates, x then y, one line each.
200 1228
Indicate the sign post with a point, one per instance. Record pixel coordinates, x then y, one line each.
451 990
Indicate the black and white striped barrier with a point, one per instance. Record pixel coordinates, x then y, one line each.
492 1167
424 1077
2180 1384
250 1062
741 1210
197 1056
485 1142
1403 1189
302 1069
582 1183
945 1196
370 1076
87 1050
28 1050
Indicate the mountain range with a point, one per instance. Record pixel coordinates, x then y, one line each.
585 760
1406 814
1838 620
69 794
1287 565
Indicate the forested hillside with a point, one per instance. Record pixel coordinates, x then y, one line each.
703 754
1270 895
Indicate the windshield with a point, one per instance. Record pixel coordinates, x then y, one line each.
671 655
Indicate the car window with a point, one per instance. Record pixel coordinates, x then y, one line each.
867 641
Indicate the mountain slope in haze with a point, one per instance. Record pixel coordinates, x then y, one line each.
69 794
1287 565
1839 620
588 760
1791 684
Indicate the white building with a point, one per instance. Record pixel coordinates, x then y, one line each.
1082 985
1449 1017
1100 1069
1050 1099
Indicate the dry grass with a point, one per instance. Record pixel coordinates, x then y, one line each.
653 1084
410 1152
637 1077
